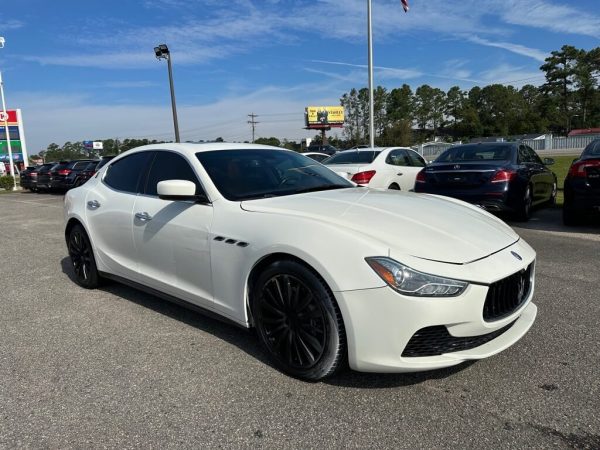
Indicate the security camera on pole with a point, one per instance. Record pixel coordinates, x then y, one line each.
4 118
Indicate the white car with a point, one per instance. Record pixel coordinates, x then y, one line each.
319 157
385 168
326 271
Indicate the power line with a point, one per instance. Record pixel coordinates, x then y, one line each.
253 123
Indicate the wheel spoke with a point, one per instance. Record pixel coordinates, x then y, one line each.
311 339
305 349
274 309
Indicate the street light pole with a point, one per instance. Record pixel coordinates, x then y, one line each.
371 108
7 132
162 52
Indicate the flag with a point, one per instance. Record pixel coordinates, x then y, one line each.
404 5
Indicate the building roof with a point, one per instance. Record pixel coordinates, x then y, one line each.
584 131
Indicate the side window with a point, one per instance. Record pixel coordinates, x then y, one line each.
533 157
524 156
416 159
398 158
169 166
124 174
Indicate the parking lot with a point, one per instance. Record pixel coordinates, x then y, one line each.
116 367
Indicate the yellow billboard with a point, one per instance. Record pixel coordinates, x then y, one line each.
324 116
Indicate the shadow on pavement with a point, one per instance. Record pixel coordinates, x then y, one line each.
550 219
247 340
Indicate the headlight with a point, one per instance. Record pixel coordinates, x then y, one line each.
408 281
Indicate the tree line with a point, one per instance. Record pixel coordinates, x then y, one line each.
570 98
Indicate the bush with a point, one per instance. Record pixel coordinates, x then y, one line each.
7 182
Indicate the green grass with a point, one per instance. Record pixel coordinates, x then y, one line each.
560 168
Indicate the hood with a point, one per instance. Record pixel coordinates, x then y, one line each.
420 225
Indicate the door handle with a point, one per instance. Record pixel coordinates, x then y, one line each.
399 173
93 204
143 216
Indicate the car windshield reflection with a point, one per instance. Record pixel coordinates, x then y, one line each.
253 174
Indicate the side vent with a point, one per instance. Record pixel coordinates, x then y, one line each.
219 238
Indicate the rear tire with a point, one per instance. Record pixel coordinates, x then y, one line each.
571 217
82 258
552 200
524 211
298 321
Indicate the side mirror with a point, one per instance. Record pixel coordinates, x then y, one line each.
178 190
548 161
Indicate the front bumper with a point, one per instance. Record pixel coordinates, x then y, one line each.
381 322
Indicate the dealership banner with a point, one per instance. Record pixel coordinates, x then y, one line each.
324 116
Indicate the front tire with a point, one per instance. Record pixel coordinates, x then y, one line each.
298 321
82 258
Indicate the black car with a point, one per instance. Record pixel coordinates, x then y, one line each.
319 148
582 185
103 161
44 177
88 172
64 175
499 177
28 178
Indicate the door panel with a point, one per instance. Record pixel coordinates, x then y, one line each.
111 229
172 245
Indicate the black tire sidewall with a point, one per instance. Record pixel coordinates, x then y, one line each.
94 277
335 348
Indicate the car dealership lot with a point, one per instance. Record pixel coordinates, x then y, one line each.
119 368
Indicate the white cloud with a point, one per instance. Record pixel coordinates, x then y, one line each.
536 54
560 17
511 75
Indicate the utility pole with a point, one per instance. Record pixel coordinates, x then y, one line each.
253 123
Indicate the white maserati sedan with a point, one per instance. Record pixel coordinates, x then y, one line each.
379 167
329 273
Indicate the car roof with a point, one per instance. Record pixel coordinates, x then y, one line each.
190 149
374 149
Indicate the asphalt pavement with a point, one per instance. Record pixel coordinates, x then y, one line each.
118 368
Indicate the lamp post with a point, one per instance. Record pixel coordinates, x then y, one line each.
162 52
5 119
371 108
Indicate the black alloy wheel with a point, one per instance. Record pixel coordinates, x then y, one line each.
553 194
524 212
298 321
82 258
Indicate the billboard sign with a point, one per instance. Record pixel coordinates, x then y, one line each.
324 116
16 134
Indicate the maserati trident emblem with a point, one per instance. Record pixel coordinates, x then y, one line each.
516 255
457 166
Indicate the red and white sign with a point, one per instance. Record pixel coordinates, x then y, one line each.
9 116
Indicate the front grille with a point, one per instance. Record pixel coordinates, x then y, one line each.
432 341
507 295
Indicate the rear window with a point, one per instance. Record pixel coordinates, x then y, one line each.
477 152
80 165
361 157
592 149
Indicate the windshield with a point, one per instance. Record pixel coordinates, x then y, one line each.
362 157
250 174
476 152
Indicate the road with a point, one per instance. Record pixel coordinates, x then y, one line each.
118 368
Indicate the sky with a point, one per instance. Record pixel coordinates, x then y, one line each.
86 70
